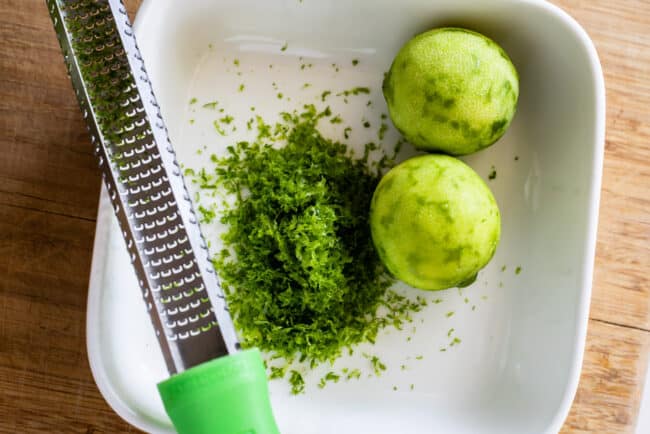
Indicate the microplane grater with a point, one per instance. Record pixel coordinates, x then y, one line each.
145 183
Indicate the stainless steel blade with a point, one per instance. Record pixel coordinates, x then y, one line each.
181 290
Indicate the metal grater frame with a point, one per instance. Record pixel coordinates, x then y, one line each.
181 290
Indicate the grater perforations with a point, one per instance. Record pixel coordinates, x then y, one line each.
144 182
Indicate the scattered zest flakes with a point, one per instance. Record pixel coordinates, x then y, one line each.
217 127
493 173
277 372
377 364
382 130
329 377
355 91
353 374
297 382
207 214
226 119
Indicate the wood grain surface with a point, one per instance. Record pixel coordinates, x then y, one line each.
49 187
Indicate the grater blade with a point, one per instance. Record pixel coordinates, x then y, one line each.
179 285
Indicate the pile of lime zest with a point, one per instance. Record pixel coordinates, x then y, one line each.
300 272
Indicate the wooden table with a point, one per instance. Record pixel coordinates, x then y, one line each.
49 187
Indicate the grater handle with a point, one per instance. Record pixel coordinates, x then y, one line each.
228 395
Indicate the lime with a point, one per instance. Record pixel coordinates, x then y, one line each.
434 222
451 90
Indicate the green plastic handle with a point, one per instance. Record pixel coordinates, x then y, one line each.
227 395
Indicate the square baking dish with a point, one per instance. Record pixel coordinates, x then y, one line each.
522 329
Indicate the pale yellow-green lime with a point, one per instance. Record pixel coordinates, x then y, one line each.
451 90
434 222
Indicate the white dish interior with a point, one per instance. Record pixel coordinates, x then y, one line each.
517 367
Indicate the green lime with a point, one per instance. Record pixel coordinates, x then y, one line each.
434 222
451 90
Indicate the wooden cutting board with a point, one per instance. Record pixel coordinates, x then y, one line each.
48 196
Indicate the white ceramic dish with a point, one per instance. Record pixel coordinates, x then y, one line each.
517 368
